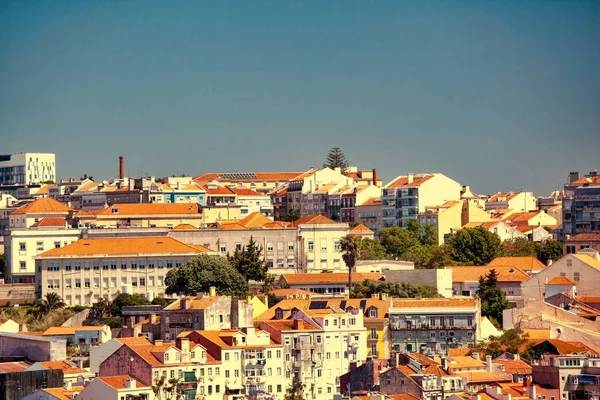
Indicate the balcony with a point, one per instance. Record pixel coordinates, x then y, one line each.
373 336
416 327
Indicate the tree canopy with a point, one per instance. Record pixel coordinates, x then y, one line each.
371 249
475 246
551 250
249 262
519 247
204 271
493 299
350 246
296 390
52 301
127 299
368 287
336 159
512 341
293 215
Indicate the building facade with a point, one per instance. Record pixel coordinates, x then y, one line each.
26 168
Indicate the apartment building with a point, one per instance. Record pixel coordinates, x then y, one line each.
262 182
516 201
580 203
251 364
355 197
575 376
465 280
407 196
252 201
26 168
333 284
319 346
312 182
90 269
582 241
369 214
171 190
158 215
432 326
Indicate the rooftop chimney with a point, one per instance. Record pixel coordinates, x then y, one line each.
298 324
573 176
475 355
409 178
68 385
130 383
212 291
488 361
158 343
121 167
375 176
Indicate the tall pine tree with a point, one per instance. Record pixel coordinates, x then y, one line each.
493 299
249 262
336 159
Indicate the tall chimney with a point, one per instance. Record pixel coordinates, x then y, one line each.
121 167
409 178
375 176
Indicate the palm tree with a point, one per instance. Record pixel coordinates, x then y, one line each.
52 302
350 245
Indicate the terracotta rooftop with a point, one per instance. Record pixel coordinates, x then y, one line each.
360 229
44 205
62 393
329 278
125 246
15 366
402 181
287 325
232 226
560 280
255 220
312 219
246 192
373 201
290 292
585 237
515 367
584 180
118 210
69 330
435 302
472 273
50 222
118 382
483 376
218 190
564 348
185 227
502 197
524 263
196 304
67 368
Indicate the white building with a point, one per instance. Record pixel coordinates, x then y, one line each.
26 168
115 388
516 201
253 202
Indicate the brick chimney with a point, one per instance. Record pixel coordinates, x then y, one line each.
375 176
298 324
121 167
130 383
488 361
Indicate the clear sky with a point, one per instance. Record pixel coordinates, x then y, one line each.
498 95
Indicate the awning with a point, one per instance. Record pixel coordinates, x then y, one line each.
234 385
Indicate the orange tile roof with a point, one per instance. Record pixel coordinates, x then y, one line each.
43 190
585 237
329 278
288 325
435 302
524 263
373 201
405 396
118 382
44 205
185 227
62 393
88 187
465 362
275 225
125 246
560 280
219 190
290 292
523 216
69 330
459 351
499 196
402 181
16 366
312 219
584 180
360 229
515 367
49 222
197 304
119 210
246 192
67 368
589 299
255 220
483 376
563 347
232 226
472 273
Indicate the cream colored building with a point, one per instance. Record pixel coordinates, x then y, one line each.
90 269
26 168
369 214
142 216
311 181
500 228
251 201
517 201
115 388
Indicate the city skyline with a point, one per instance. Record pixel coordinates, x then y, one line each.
496 96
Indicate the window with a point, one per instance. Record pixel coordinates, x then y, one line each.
166 356
373 332
323 244
226 356
227 373
336 245
311 245
22 265
576 276
278 353
40 246
238 246
223 248
87 283
290 245
278 388
123 264
373 313
269 246
22 246
67 266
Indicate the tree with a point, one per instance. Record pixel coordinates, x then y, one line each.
397 240
513 341
336 159
474 246
371 249
419 254
158 387
126 299
202 272
159 301
368 287
100 309
249 262
519 247
441 256
551 250
493 299
350 246
293 215
85 176
52 301
296 390
426 234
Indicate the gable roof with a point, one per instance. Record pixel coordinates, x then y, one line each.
514 367
45 205
524 263
185 227
62 393
585 236
560 280
312 219
196 303
246 192
118 382
563 347
255 220
67 368
402 181
329 278
125 246
586 258
472 273
232 226
69 330
150 209
361 228
50 222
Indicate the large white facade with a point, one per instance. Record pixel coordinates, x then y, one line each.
26 168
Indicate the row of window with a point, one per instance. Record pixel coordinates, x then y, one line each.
87 283
112 265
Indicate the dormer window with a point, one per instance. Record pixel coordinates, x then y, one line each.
373 313
279 314
177 356
166 356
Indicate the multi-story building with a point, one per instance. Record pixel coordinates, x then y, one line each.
580 205
432 326
516 201
500 228
576 376
319 346
354 197
332 284
262 182
369 214
452 215
204 312
89 269
407 196
171 190
252 365
465 280
252 201
581 241
142 216
26 168
322 180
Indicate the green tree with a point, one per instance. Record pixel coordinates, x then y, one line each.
519 247
249 262
397 240
100 309
551 250
368 287
85 176
126 299
513 341
336 159
419 254
293 215
493 299
204 271
296 390
474 246
426 234
51 302
371 249
350 246
159 301
441 256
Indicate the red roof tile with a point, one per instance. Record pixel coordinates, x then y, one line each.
560 280
49 222
402 181
44 205
312 219
329 278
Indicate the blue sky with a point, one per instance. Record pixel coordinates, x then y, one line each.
498 95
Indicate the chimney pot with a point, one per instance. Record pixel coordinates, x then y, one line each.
121 167
488 361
